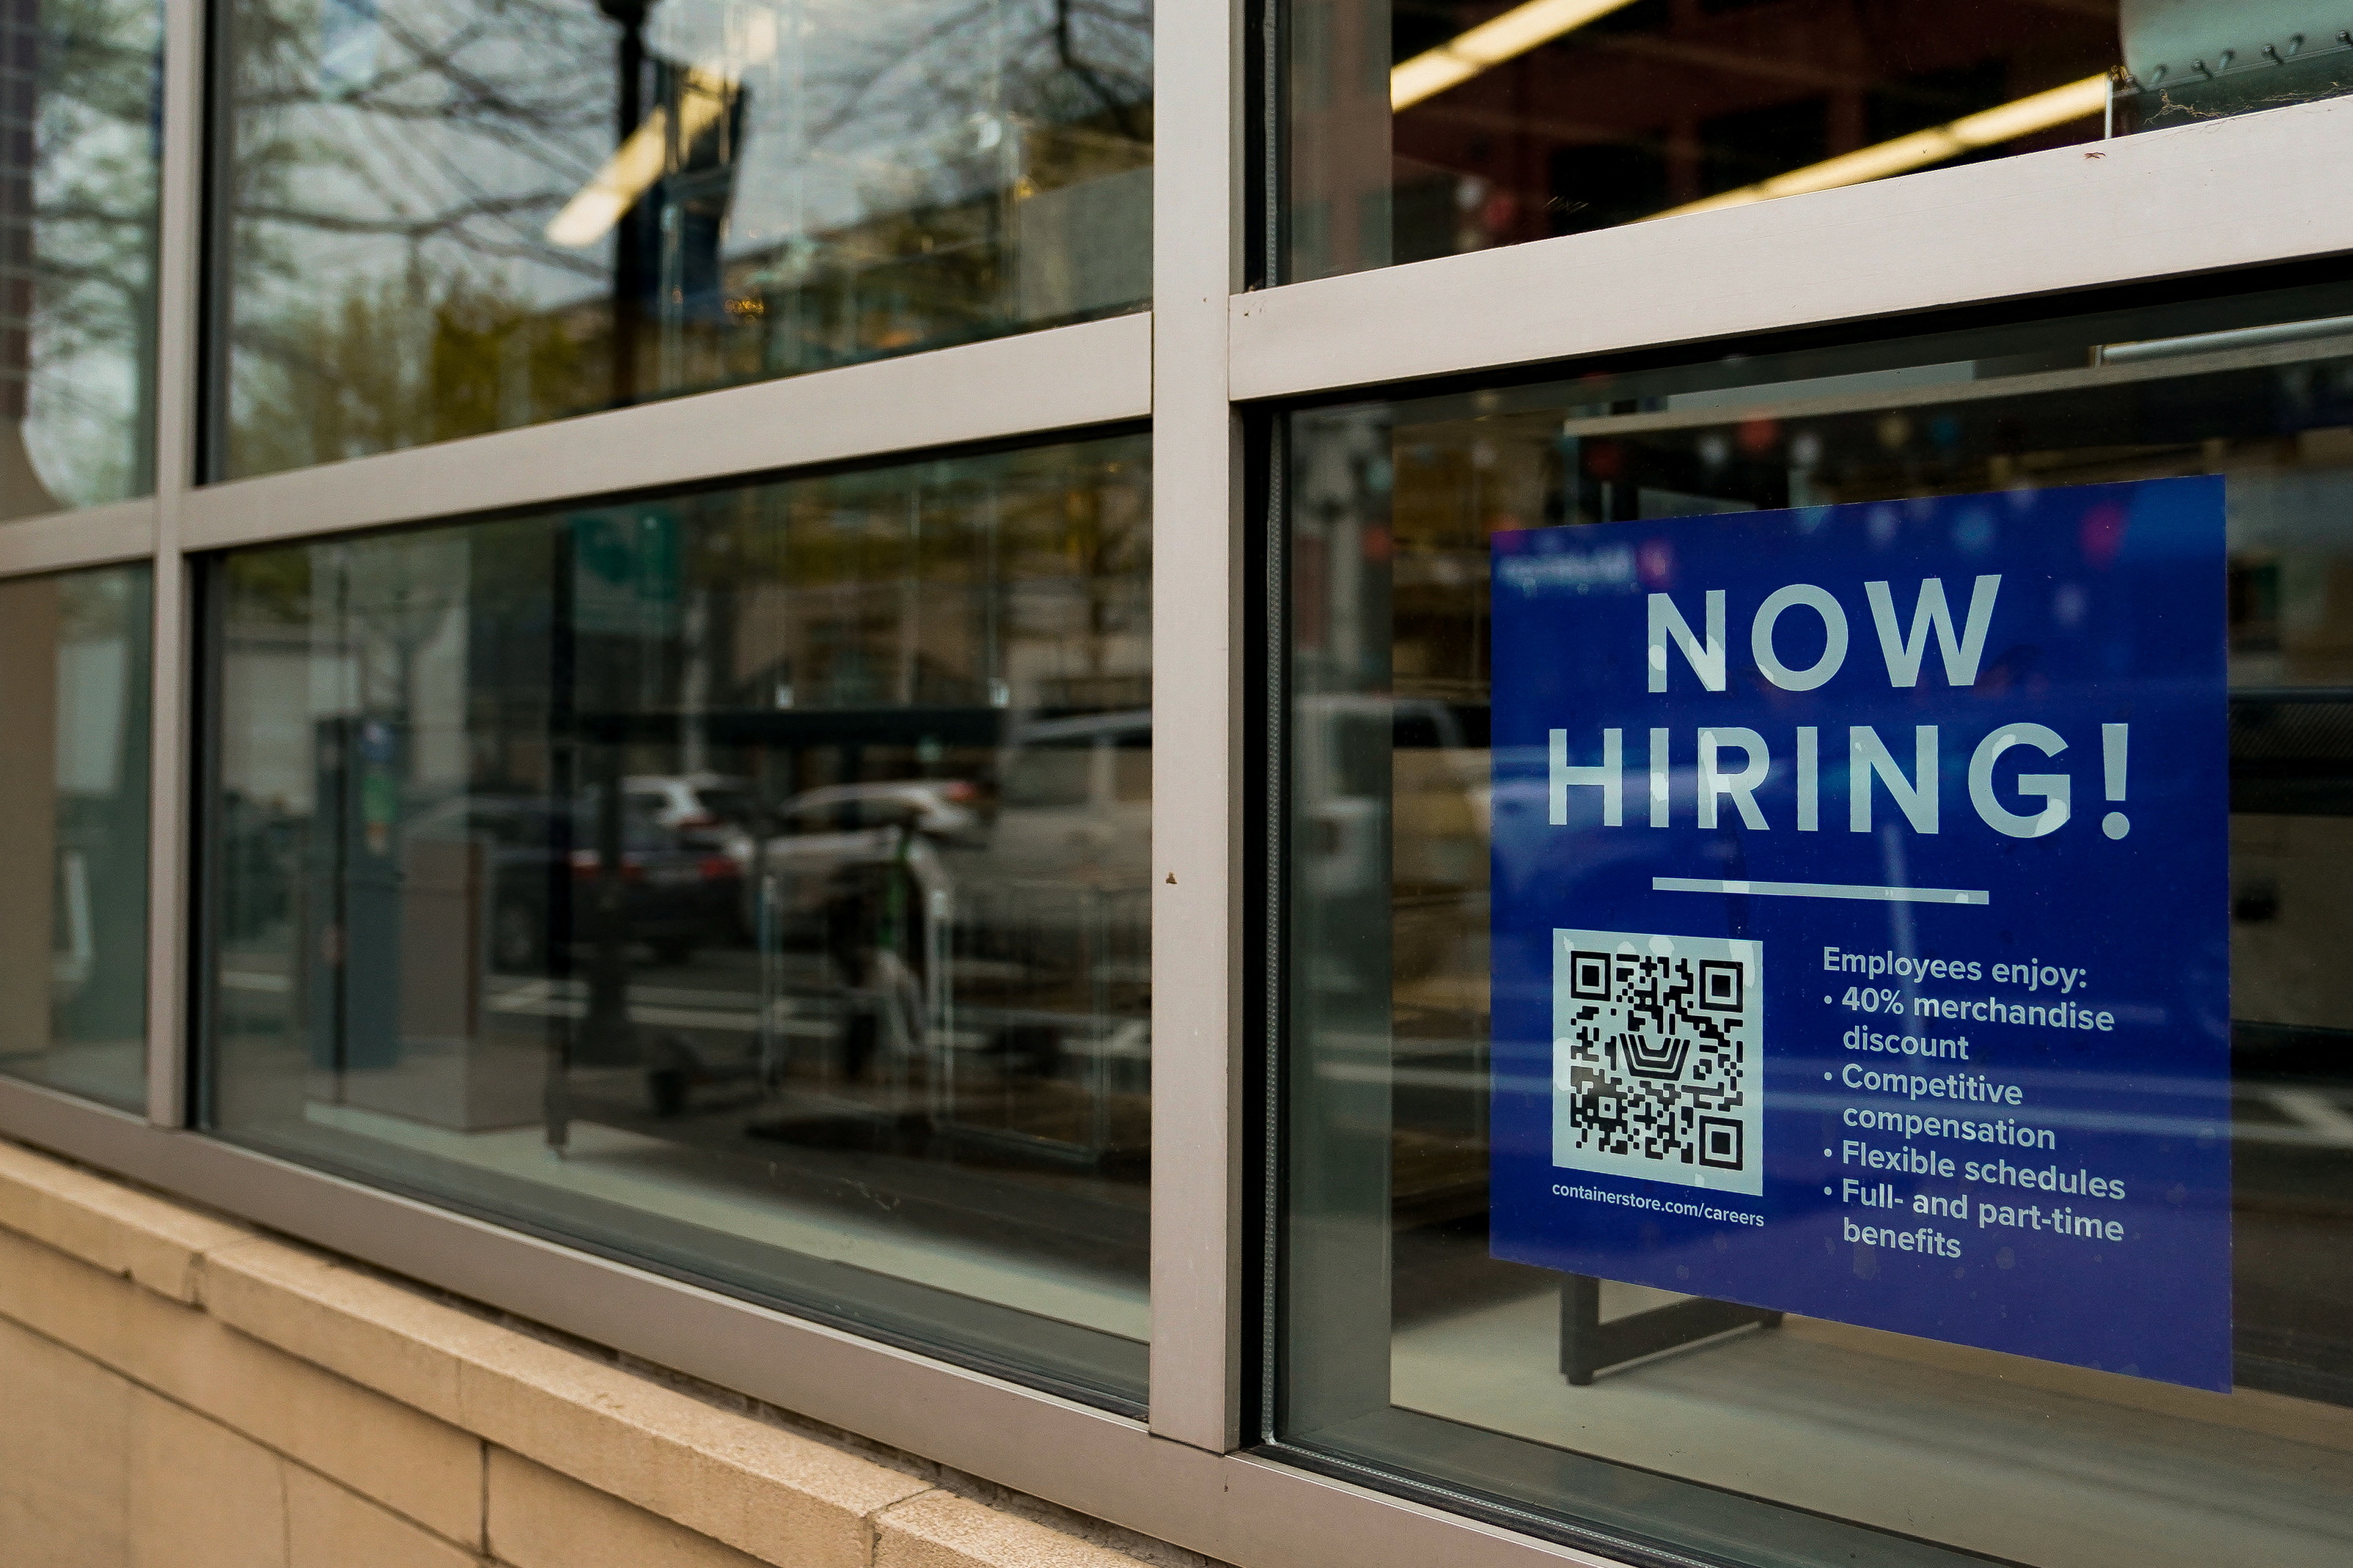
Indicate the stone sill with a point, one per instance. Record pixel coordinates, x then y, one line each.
178 1388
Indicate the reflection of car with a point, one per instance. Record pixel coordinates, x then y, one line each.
707 806
826 831
676 894
944 809
1071 826
691 800
1075 804
992 943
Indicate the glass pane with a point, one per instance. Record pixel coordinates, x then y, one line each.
73 832
1423 128
444 219
78 181
751 883
1733 1428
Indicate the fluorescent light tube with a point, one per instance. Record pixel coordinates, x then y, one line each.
1985 129
1490 43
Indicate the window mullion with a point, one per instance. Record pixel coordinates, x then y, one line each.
177 280
2034 224
1196 652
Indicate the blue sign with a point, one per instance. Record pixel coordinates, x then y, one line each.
1861 916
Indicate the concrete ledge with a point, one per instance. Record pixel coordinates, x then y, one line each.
542 1519
392 1341
939 1530
740 1481
109 1225
327 1527
425 1468
347 1413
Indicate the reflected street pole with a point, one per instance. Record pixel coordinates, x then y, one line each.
629 231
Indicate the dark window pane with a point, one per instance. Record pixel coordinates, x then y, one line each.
658 876
73 832
1424 128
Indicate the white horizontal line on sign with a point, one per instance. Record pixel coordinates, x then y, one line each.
1822 890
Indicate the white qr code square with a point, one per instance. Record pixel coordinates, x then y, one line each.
1655 1058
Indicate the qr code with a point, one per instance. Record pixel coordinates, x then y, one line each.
1655 1047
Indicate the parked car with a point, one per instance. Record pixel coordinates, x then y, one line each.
543 864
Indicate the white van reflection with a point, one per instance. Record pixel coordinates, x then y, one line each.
1074 804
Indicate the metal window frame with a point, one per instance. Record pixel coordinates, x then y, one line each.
171 780
1198 713
2209 197
1057 380
2201 199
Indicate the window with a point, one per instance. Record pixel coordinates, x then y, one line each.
77 234
656 523
660 876
442 220
1412 1347
73 832
1426 128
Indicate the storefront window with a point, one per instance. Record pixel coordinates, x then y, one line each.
439 220
750 883
80 94
1920 1316
1423 128
73 832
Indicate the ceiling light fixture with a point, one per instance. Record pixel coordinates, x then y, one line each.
638 161
1489 44
1903 153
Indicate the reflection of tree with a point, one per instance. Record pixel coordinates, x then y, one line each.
399 593
466 136
416 154
1109 548
93 607
267 588
93 247
416 174
1020 578
363 611
1064 62
402 360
